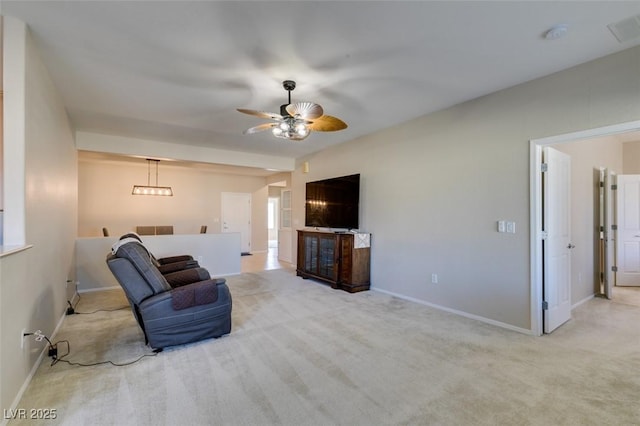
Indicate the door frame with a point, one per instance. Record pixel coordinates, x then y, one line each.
535 204
609 235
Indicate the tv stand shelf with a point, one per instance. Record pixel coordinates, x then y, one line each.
340 259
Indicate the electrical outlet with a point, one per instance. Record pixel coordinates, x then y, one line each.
434 278
24 330
53 351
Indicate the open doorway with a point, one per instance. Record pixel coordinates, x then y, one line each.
537 230
279 221
273 222
276 236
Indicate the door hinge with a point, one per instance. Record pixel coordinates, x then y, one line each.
544 235
614 269
601 184
614 187
545 305
544 167
614 227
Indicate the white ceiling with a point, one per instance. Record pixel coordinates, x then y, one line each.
176 71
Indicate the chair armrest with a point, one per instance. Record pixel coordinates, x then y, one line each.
160 306
187 276
177 266
173 259
200 293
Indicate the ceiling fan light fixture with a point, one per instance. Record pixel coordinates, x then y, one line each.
295 121
291 128
301 129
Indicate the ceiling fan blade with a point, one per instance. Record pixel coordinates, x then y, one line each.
306 110
327 123
261 114
259 128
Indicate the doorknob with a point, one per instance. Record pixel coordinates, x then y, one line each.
570 246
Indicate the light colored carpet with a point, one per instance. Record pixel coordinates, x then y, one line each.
301 353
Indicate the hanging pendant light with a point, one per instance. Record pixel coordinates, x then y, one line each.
149 189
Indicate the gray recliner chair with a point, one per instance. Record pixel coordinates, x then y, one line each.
192 308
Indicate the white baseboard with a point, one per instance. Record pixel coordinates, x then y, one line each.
461 313
585 300
93 290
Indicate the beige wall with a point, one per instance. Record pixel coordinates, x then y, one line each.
433 188
105 200
33 283
631 163
587 157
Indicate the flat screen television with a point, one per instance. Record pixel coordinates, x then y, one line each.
333 203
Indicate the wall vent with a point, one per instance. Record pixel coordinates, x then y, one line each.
627 29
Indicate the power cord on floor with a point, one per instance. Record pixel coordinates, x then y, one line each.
102 310
53 353
71 310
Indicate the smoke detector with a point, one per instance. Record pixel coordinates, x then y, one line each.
556 32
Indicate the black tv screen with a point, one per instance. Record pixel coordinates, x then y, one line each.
333 203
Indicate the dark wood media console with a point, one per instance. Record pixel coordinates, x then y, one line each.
340 259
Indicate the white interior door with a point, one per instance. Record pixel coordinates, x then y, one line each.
628 247
557 244
236 217
608 232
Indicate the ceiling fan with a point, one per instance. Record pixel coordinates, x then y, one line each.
295 121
